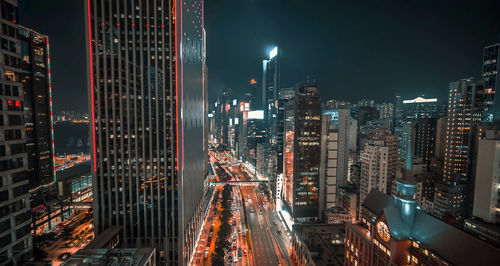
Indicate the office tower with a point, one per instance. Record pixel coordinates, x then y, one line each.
270 105
398 109
394 231
464 113
270 85
425 139
146 85
35 77
491 69
366 103
378 163
367 113
485 221
420 135
222 115
253 132
233 126
423 108
406 137
486 204
262 161
385 110
38 122
337 104
252 94
276 154
15 217
328 174
440 138
302 153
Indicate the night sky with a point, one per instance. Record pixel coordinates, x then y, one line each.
354 49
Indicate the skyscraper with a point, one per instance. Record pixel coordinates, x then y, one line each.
15 218
464 112
302 153
378 163
329 161
222 115
35 77
491 77
423 108
270 85
146 86
465 106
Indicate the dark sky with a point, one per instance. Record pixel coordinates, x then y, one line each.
354 49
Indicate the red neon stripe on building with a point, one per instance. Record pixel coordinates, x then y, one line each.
182 87
91 84
176 87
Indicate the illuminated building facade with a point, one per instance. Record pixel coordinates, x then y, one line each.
222 115
329 162
302 152
464 114
276 153
270 85
491 77
146 76
254 132
15 218
395 231
334 152
378 163
423 108
35 76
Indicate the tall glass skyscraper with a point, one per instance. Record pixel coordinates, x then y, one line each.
302 153
146 62
35 77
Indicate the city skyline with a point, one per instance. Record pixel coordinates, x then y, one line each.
250 132
428 54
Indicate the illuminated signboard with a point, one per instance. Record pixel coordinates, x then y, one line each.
259 114
273 53
421 100
235 102
236 121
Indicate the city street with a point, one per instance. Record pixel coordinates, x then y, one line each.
256 228
75 234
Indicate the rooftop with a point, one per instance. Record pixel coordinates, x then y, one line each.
451 243
140 256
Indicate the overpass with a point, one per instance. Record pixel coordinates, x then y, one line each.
241 183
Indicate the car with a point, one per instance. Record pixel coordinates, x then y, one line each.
206 251
64 256
278 232
260 211
245 252
275 223
251 210
235 259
